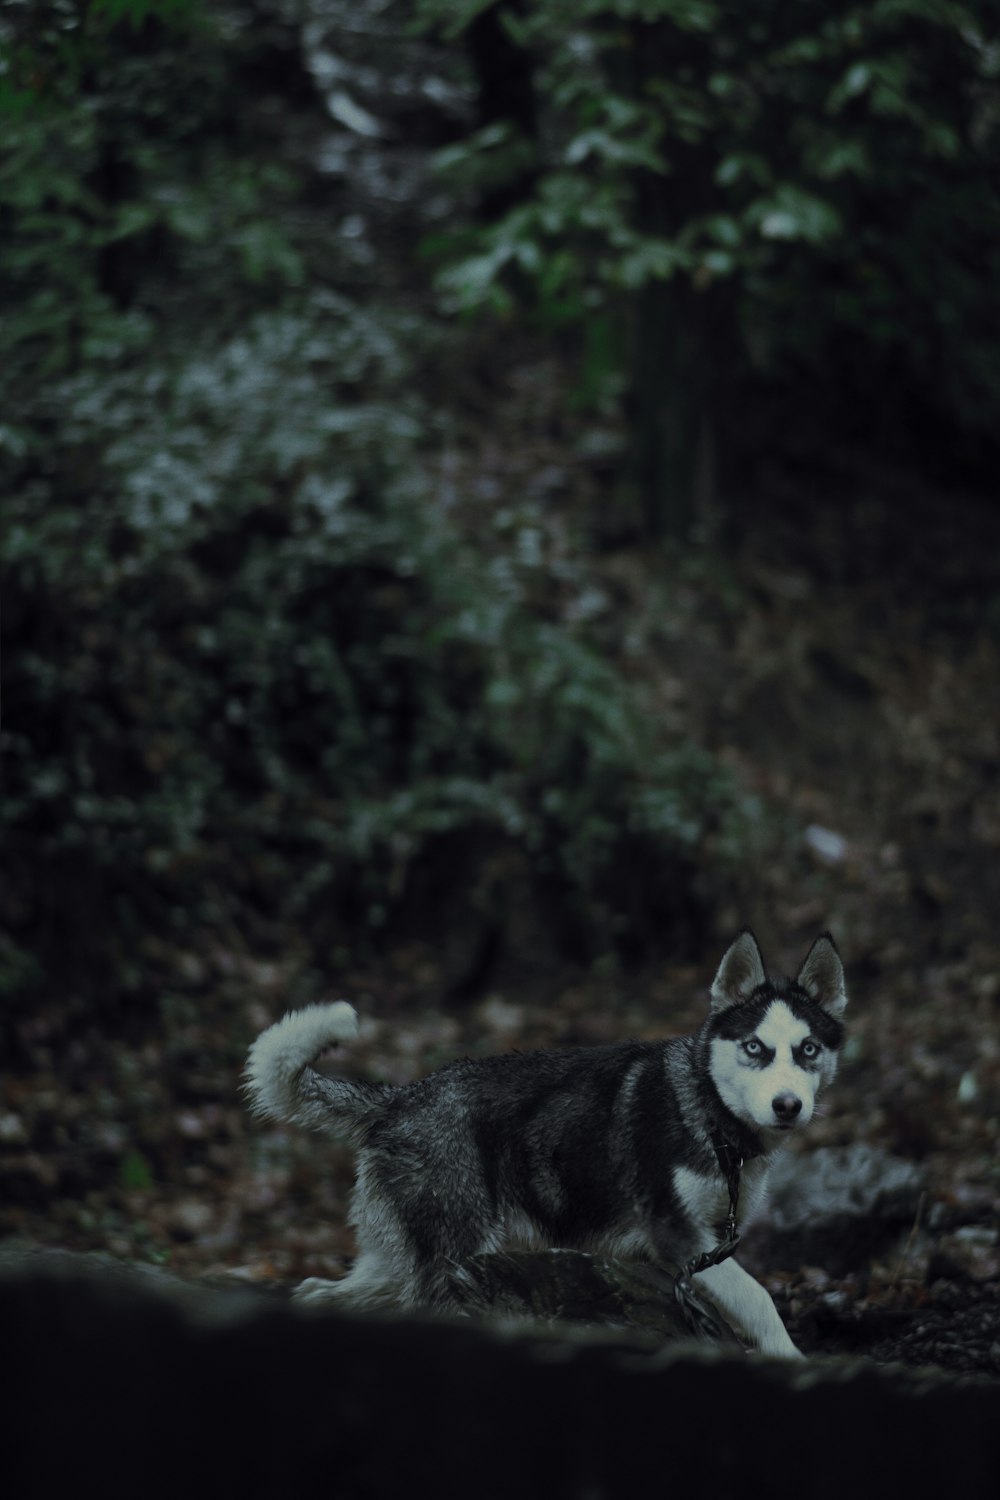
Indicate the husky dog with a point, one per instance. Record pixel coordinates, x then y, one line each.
615 1149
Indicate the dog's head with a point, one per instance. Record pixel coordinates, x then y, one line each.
774 1043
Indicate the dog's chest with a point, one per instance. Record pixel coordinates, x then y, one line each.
704 1197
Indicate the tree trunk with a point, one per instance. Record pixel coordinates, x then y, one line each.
679 332
506 95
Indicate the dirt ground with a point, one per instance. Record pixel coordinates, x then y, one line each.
145 1152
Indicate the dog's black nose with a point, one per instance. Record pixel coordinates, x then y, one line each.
786 1107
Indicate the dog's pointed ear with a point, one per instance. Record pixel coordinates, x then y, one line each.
822 976
740 972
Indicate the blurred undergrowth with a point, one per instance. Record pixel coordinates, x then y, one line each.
281 659
262 676
260 662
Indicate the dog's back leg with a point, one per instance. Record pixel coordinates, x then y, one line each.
384 1273
370 1284
413 1236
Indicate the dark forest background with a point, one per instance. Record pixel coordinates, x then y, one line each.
495 497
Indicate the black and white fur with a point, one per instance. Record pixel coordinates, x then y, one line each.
607 1149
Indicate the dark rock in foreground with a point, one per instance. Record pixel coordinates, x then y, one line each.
121 1389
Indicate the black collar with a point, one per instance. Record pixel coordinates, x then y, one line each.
733 1154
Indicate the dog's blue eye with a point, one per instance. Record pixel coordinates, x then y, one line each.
752 1047
809 1049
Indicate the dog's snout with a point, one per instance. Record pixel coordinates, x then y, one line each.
787 1107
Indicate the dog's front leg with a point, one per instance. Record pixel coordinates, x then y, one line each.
745 1304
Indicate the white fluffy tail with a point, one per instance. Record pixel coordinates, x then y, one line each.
281 1084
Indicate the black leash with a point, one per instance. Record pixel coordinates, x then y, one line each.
693 1310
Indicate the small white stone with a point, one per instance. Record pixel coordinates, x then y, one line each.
828 846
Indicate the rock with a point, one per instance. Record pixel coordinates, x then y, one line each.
835 1208
567 1286
121 1389
971 1253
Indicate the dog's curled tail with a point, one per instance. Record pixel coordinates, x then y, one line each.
281 1083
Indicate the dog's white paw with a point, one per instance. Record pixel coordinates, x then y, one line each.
315 1289
780 1348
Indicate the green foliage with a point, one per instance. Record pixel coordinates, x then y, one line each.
121 175
260 666
134 1171
834 168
